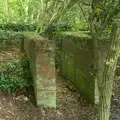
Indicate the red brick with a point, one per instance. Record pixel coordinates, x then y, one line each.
43 72
49 85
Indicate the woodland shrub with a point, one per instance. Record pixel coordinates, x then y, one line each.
50 30
18 27
9 37
15 74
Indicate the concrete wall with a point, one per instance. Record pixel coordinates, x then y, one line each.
41 53
78 63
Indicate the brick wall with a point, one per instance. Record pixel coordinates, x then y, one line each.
41 53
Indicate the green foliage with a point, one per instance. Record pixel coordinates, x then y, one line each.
18 27
11 38
5 35
102 16
41 12
15 75
82 26
98 10
107 32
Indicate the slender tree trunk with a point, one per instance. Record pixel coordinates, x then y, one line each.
6 11
105 75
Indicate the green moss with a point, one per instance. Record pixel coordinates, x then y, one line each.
81 34
30 33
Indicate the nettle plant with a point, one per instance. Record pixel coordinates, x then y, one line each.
15 75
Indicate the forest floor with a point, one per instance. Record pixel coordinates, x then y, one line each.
70 105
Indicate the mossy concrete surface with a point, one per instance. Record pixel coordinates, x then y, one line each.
78 62
41 53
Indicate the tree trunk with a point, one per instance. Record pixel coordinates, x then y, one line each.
106 74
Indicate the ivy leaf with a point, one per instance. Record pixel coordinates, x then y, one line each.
98 10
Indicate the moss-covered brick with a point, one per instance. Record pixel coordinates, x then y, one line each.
41 53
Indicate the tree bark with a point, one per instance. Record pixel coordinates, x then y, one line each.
106 74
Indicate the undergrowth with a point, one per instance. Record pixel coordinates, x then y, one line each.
15 75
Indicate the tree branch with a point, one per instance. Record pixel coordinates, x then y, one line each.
85 3
83 13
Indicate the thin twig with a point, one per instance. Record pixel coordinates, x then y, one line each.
85 3
11 113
